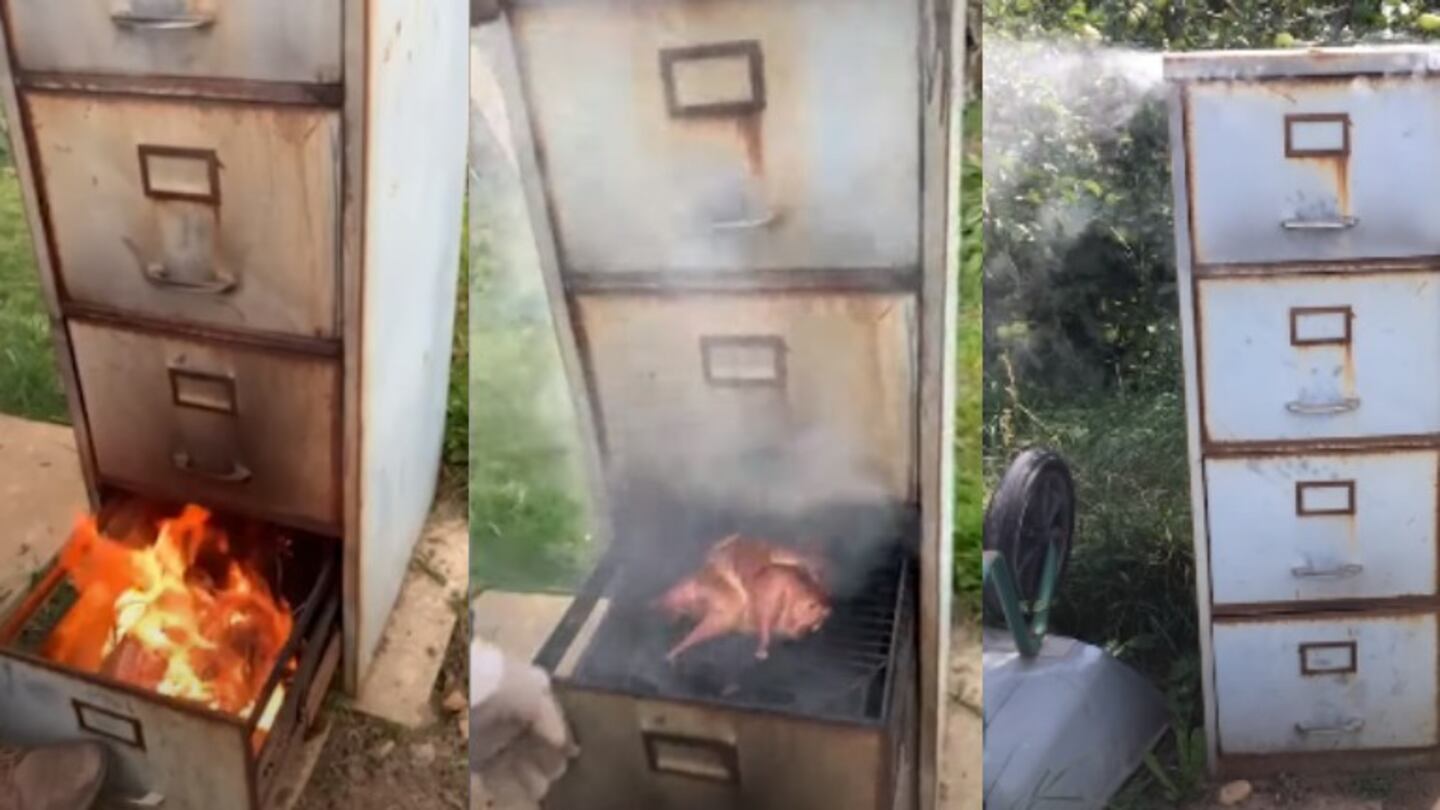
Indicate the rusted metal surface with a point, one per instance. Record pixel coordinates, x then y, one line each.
734 187
309 95
1260 387
240 234
1335 169
278 431
1260 66
263 40
1382 696
1370 535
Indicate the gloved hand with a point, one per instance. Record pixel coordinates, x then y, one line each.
57 777
519 743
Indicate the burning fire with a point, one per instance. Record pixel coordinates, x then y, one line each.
180 616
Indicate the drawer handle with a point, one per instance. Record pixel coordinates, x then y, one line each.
1349 726
148 800
1338 572
752 224
237 474
1340 224
162 22
1323 408
159 275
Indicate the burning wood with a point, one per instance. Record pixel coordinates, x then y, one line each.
181 616
753 587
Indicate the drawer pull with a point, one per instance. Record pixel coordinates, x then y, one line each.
752 224
1349 726
159 275
163 22
1340 224
1338 572
148 800
237 474
1323 408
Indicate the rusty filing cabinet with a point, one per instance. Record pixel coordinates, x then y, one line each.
741 211
245 216
1309 267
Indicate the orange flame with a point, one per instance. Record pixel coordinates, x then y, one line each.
151 617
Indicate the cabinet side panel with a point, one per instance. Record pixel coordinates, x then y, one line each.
1185 285
415 130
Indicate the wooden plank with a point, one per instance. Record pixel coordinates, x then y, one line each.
411 653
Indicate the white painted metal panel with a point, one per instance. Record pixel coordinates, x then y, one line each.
262 40
1326 684
415 185
1314 170
1194 432
153 747
824 176
1367 528
1261 382
222 214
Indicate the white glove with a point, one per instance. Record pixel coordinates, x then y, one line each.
519 743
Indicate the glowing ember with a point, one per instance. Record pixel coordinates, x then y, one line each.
156 617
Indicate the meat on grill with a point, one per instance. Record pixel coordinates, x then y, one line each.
753 587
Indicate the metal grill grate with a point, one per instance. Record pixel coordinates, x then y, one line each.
841 672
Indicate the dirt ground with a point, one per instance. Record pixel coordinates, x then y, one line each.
369 764
1365 790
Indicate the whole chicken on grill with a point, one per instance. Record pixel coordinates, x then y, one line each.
753 587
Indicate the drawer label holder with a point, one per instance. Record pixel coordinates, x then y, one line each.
1329 658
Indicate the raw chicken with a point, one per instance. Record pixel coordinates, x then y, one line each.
749 586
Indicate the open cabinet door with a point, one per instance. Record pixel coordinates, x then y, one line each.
942 69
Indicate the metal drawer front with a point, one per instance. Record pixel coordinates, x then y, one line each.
1322 527
222 214
1315 358
782 402
1326 684
1314 170
239 428
152 743
730 135
262 40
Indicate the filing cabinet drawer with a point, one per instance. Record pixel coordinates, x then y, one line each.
260 40
728 136
1314 170
1326 684
219 214
1319 527
804 399
237 427
1319 357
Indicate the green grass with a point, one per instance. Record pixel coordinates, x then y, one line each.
527 505
969 478
29 383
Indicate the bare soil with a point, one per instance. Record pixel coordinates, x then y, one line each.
369 764
1364 790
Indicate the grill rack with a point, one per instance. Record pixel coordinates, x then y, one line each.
842 672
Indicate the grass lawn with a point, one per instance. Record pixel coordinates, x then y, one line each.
29 383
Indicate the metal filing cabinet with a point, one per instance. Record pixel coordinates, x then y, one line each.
1309 270
741 214
246 214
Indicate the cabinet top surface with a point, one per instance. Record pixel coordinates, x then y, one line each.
1303 62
